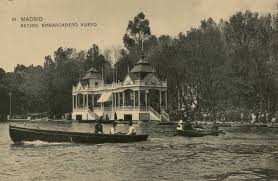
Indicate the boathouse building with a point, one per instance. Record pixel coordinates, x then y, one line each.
141 96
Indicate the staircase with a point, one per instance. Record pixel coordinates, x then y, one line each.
154 114
165 116
93 114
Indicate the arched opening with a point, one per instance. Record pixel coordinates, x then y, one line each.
80 101
129 97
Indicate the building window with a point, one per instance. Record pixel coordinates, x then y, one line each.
96 83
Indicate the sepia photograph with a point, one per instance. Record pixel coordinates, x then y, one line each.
141 90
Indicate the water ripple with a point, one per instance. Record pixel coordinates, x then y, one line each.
238 155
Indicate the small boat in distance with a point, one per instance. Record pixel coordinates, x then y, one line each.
20 134
199 133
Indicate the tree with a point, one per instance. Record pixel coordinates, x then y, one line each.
138 30
3 95
249 37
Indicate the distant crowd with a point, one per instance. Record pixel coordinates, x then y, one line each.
238 115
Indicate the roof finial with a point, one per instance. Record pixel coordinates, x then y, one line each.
116 74
113 74
79 78
102 75
142 56
142 41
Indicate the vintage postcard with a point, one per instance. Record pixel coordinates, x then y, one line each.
138 90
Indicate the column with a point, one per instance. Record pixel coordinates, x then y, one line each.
83 100
146 99
134 99
72 102
123 98
139 101
160 99
166 99
87 100
75 101
119 99
112 102
115 100
93 101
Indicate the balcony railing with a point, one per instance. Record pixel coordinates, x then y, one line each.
122 108
117 85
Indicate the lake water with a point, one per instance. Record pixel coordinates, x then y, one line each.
241 154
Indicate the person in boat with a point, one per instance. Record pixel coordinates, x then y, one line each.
113 128
131 129
198 126
98 127
253 118
187 126
106 118
115 116
180 125
273 120
215 126
241 116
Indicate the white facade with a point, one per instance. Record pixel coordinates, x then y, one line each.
141 96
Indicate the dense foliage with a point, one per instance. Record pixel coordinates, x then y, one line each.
216 66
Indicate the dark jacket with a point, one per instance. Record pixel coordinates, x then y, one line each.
98 128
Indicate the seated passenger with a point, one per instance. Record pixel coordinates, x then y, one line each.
180 125
198 126
187 126
115 116
98 127
107 118
131 129
113 128
214 126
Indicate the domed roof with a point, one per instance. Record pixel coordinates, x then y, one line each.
142 66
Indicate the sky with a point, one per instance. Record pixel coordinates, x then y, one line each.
30 45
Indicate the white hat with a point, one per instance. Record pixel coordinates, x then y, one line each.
180 121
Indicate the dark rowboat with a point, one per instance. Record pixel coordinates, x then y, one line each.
85 121
19 134
166 123
199 133
250 125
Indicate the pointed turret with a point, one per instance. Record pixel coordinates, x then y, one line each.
141 68
92 73
92 77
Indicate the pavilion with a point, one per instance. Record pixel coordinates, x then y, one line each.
141 96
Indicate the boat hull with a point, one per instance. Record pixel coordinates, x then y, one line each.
20 134
198 133
166 123
250 125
